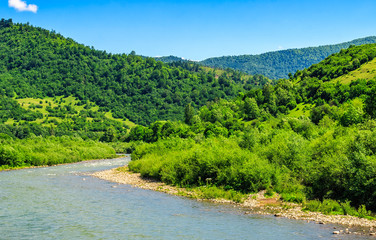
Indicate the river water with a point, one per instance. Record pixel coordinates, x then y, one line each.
62 202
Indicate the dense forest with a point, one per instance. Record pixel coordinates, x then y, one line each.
279 64
39 63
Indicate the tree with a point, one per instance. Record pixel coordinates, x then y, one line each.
356 64
369 103
109 135
189 112
251 109
319 112
352 115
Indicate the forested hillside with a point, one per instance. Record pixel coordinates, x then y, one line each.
279 64
306 138
58 116
318 82
38 63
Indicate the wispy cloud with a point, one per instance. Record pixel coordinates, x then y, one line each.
22 6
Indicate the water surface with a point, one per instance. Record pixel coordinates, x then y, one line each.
61 202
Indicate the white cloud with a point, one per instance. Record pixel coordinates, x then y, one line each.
22 6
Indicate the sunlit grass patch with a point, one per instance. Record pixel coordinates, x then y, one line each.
367 71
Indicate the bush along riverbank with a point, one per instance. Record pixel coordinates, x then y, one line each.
330 173
263 202
38 151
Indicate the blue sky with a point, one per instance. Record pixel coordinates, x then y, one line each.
199 29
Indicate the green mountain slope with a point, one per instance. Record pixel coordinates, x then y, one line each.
341 63
38 63
366 71
58 116
324 81
305 138
279 64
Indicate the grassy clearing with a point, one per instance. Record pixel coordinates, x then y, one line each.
40 105
127 122
217 71
367 71
301 110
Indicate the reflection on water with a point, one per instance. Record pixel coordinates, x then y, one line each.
62 202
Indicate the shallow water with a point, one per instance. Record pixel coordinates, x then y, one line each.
61 202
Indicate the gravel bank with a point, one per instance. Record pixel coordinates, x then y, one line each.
255 204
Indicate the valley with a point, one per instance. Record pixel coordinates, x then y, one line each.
308 138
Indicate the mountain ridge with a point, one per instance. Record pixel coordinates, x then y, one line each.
276 64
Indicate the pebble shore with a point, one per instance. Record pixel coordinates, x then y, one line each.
255 204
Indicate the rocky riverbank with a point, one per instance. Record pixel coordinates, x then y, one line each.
254 204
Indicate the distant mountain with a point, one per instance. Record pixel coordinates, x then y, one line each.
170 59
279 64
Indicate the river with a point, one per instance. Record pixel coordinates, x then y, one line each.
62 202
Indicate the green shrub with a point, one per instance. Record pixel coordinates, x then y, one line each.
329 206
125 147
363 212
293 197
9 156
313 206
348 209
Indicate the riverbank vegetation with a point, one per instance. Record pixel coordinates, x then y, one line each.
332 165
39 151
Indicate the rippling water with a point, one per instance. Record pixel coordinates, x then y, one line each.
63 203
